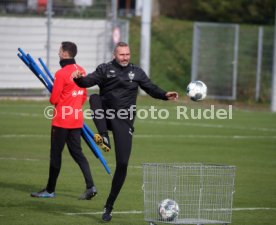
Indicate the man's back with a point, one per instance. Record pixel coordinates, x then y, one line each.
68 99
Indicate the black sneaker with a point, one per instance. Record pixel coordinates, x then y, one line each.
43 194
89 193
103 141
107 215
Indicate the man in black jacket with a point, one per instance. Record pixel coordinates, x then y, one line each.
118 81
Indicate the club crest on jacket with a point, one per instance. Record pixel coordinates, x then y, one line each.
131 76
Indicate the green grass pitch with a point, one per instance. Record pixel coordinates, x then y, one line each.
248 141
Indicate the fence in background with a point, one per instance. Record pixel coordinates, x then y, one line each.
234 61
215 51
28 26
61 8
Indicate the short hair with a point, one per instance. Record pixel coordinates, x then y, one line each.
69 47
120 44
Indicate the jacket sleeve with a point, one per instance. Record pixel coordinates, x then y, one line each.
84 96
57 88
85 82
150 88
94 78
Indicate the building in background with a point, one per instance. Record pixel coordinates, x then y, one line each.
129 8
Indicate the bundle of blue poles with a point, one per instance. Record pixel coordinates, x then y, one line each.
47 80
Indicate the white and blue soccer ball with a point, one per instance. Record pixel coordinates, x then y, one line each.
168 210
197 90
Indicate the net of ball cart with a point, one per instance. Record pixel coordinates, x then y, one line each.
188 193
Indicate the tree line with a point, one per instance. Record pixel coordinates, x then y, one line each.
227 11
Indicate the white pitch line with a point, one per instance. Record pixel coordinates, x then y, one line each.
18 159
202 136
252 209
99 213
23 135
240 209
35 160
22 114
155 136
176 123
140 212
184 123
130 166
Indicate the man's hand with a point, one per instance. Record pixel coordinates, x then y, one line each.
172 95
76 74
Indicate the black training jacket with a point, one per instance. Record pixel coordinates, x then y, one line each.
119 85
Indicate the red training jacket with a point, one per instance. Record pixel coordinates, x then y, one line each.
68 98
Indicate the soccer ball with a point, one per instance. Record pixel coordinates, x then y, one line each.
168 209
196 90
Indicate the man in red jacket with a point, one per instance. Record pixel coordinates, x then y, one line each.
67 122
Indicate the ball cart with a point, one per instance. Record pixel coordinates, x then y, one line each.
203 192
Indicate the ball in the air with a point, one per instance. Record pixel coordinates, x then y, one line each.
197 90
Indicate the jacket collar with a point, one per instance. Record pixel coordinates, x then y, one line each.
65 62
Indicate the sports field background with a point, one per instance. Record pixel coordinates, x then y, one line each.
247 141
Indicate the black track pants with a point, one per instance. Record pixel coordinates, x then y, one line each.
122 133
95 105
122 130
71 137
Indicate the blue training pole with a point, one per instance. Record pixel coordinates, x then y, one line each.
40 74
46 69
